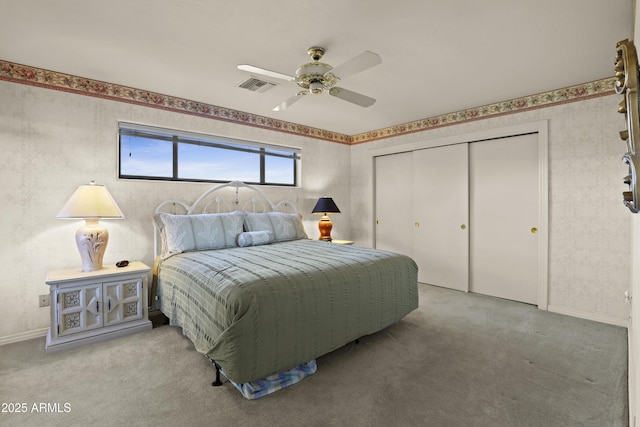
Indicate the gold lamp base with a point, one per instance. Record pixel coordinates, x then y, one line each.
325 225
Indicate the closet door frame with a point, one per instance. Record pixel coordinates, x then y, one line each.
542 130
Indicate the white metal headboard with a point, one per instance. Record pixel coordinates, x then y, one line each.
218 200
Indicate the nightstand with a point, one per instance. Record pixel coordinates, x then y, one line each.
342 242
89 307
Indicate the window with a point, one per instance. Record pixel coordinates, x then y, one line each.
164 154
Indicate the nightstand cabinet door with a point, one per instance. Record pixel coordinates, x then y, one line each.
122 301
79 309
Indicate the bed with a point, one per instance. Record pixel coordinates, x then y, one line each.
258 297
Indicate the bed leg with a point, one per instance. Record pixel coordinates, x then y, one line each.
217 382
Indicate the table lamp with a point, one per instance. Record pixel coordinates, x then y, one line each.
325 206
91 202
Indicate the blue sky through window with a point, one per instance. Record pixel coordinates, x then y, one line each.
152 157
203 162
145 157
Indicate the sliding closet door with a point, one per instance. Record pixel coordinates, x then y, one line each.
393 204
504 199
441 216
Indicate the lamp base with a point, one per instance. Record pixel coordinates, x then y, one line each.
92 239
325 225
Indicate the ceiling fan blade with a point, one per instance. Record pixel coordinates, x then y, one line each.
295 98
262 71
351 96
357 64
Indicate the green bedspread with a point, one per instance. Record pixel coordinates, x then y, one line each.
263 309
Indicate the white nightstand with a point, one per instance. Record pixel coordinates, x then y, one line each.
342 242
88 307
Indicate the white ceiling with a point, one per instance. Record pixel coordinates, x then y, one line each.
437 56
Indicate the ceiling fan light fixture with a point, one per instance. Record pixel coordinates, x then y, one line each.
316 87
317 77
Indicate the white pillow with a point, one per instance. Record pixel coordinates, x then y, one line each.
254 238
283 226
182 233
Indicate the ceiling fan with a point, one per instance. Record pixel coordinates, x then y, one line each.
317 77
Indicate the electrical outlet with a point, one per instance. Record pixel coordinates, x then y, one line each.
44 300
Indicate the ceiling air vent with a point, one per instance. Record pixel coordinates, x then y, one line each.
256 85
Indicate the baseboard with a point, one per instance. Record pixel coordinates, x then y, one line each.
589 316
24 336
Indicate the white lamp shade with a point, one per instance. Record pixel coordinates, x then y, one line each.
91 201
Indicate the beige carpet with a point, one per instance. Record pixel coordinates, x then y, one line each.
459 360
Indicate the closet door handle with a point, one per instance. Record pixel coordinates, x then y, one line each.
417 224
463 226
534 230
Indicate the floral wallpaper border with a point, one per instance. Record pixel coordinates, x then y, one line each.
575 93
18 73
23 74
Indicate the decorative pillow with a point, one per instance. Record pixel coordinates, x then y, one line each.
283 226
182 233
254 238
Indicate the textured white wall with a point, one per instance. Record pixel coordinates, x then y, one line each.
589 261
53 141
